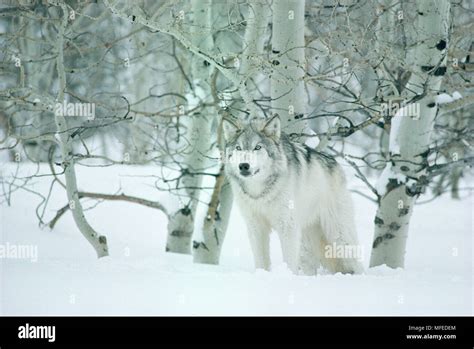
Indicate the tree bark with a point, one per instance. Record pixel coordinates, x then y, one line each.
288 60
208 249
98 242
181 223
404 177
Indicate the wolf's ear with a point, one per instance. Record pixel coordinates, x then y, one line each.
230 128
272 127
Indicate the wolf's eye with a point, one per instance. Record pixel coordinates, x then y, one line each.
258 147
238 147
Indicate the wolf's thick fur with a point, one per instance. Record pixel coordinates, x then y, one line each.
290 188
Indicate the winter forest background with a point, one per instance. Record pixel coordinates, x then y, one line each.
110 141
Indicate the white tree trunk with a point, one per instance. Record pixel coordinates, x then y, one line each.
181 224
288 58
403 178
208 250
254 39
98 242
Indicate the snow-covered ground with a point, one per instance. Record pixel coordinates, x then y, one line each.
139 278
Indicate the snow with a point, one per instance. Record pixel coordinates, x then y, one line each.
139 278
444 98
411 111
312 141
456 95
395 123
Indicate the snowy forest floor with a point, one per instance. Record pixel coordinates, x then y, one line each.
140 278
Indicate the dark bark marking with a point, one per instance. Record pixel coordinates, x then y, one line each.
403 211
441 45
186 211
381 239
394 226
197 245
440 71
181 233
392 184
378 221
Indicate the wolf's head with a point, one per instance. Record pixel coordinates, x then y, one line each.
252 151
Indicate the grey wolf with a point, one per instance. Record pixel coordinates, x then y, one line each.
290 188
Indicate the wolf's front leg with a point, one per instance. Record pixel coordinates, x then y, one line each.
259 236
289 236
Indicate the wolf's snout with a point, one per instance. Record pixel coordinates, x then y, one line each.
244 166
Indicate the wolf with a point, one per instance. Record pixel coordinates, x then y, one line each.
285 186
